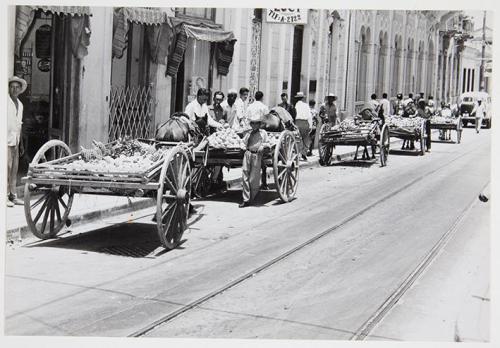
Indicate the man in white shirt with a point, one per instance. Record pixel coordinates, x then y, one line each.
14 142
198 112
385 105
229 106
257 107
480 112
241 108
303 121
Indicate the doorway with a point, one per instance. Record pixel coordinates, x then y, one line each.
298 36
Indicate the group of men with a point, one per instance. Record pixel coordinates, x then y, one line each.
239 113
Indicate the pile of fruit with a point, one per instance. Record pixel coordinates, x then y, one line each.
226 138
123 156
350 125
404 122
445 120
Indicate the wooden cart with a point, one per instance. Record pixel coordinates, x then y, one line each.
369 134
168 181
450 124
283 157
410 133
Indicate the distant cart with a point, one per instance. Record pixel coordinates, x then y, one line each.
414 132
365 134
448 124
168 180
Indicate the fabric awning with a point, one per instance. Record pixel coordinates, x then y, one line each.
204 31
146 16
80 26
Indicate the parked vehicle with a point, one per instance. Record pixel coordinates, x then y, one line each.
468 103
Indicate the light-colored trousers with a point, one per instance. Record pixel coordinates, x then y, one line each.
479 122
303 127
12 166
252 163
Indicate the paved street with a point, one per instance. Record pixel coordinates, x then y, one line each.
393 253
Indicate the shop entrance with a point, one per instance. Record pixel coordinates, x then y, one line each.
298 34
47 65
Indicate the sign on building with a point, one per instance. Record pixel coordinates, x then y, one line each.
287 15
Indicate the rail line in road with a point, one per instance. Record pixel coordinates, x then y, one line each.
396 295
364 330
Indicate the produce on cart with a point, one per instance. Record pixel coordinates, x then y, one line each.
446 124
225 148
408 128
351 132
142 168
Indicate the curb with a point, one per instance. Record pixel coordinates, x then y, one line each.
24 232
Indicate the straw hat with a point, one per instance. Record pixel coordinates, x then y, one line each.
21 81
255 118
366 106
299 95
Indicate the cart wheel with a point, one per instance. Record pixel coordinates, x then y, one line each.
53 206
459 130
173 197
422 138
286 166
325 150
384 145
202 181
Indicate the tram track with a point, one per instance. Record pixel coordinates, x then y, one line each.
364 330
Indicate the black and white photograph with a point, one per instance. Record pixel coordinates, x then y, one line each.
200 172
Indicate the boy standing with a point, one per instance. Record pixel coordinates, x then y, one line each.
252 161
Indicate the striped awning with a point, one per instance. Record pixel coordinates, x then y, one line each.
124 15
26 14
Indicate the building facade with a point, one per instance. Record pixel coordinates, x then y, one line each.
101 73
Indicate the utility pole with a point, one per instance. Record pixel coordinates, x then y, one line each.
483 50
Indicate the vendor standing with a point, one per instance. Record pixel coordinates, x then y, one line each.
303 121
229 106
241 108
287 106
328 111
252 161
14 142
198 112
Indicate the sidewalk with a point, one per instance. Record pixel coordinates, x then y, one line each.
87 208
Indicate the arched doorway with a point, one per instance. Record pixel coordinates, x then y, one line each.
363 50
409 66
382 57
420 66
396 64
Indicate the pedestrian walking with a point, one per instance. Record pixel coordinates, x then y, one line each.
252 161
480 111
303 120
315 123
328 111
230 107
15 147
287 106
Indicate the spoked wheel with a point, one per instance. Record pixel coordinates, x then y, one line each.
325 149
286 166
459 130
173 197
422 138
49 213
202 181
384 145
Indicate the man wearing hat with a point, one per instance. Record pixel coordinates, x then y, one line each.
14 142
252 161
329 110
303 121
